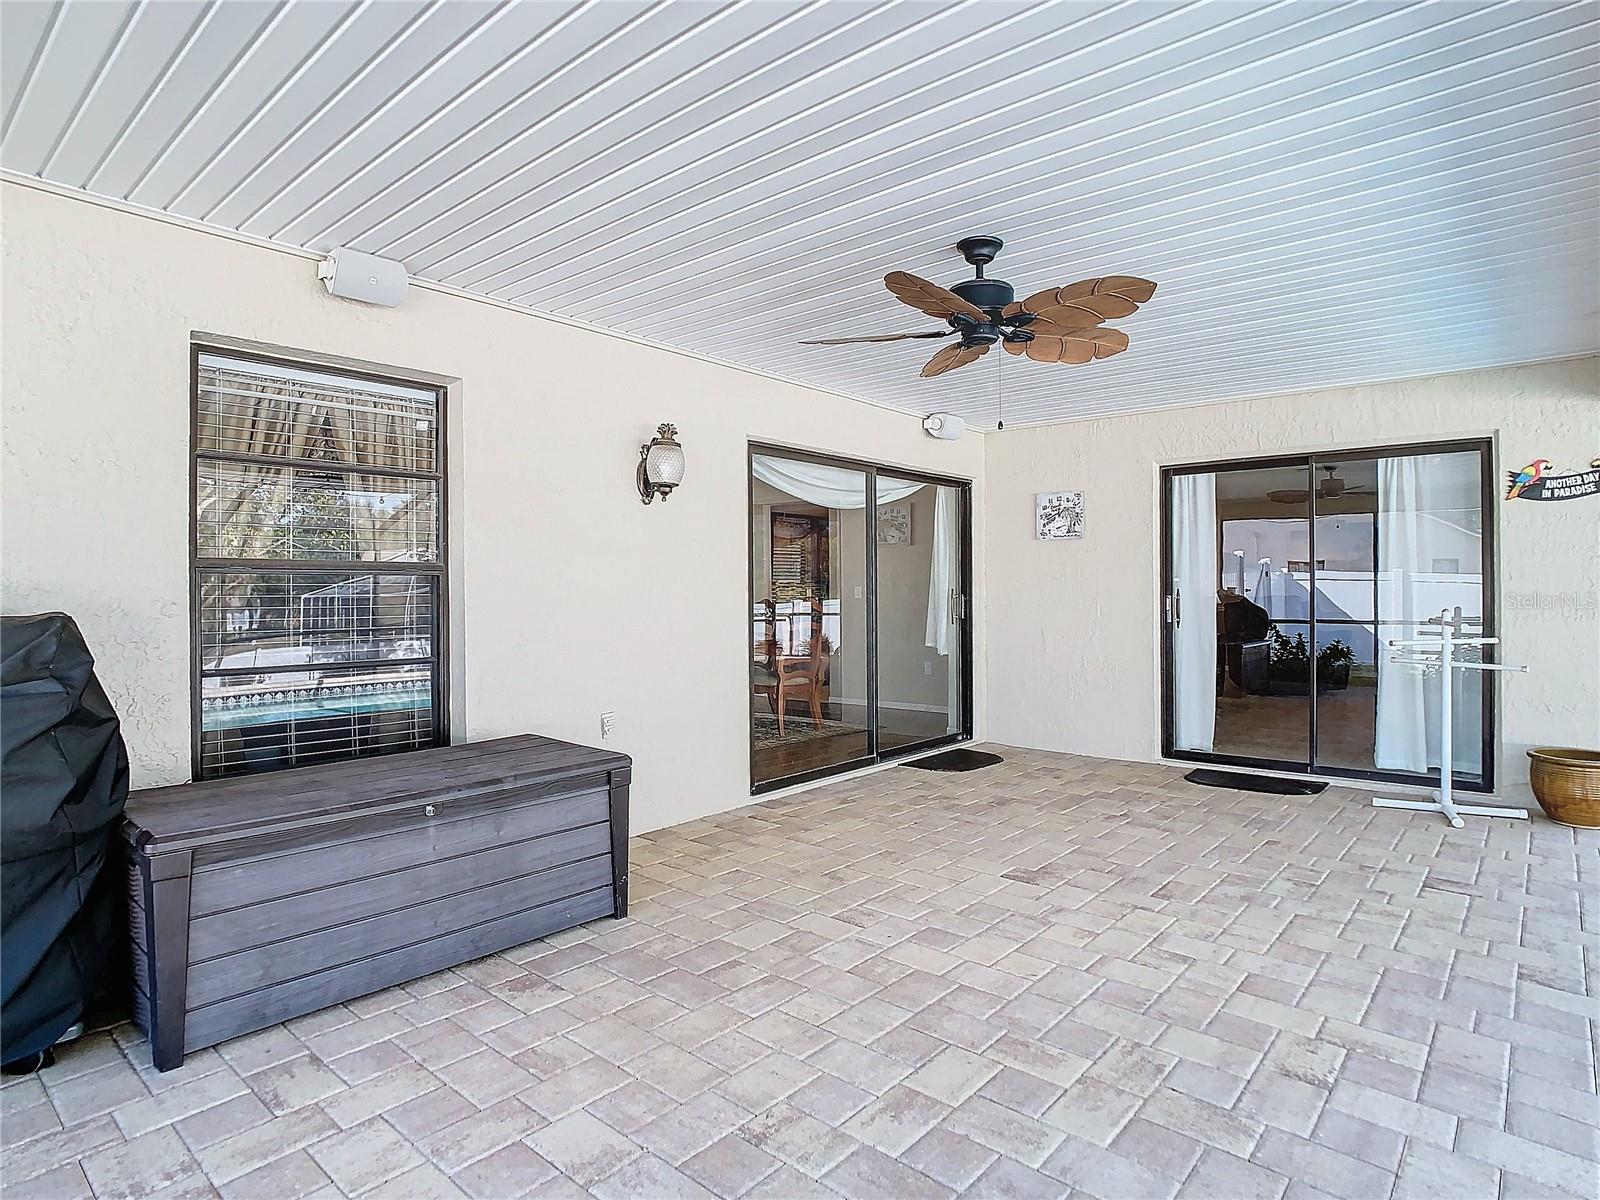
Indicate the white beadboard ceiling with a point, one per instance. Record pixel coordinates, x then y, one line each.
1328 193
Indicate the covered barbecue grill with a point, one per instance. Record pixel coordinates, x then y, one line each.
62 790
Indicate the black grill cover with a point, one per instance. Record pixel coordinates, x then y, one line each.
63 785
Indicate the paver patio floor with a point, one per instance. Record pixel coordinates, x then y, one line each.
1057 976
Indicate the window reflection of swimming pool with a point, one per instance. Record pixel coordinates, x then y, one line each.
273 707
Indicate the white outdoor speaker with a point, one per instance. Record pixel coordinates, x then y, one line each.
365 277
945 426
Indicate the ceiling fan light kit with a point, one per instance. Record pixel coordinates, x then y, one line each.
1057 325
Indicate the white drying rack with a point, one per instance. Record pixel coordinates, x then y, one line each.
1437 651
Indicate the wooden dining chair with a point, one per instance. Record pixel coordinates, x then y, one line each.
784 675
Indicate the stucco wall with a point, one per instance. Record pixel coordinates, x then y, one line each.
569 596
1073 639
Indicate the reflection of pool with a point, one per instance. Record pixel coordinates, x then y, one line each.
265 710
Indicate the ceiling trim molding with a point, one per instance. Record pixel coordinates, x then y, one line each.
128 208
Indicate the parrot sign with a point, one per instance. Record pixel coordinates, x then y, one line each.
1534 482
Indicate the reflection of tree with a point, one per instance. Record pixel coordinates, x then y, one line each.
276 515
299 515
315 520
295 515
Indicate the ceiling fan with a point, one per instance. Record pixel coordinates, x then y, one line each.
1331 488
1056 325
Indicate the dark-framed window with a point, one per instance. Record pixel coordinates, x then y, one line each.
318 564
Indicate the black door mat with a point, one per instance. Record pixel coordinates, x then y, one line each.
956 760
1240 782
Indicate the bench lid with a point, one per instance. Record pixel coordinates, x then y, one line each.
196 814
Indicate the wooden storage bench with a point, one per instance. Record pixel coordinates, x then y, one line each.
261 898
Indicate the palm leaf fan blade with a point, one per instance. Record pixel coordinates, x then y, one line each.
1080 326
929 297
1075 291
1130 287
1108 342
878 337
1045 349
1107 306
1076 351
1109 296
950 358
940 362
1068 316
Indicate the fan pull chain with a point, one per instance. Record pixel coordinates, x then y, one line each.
1000 389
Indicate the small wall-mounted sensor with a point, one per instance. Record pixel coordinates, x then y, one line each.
352 275
944 426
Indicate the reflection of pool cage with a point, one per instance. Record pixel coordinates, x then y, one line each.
341 612
355 609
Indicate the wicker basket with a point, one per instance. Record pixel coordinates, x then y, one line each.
1566 782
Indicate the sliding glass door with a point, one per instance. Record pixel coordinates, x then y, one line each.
1285 578
858 639
1230 606
808 619
920 594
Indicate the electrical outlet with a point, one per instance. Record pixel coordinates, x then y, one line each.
608 724
927 667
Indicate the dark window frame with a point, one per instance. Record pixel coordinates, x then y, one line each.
1488 493
199 566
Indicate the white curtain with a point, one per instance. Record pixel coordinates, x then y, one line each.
943 570
1419 531
839 487
828 487
1195 564
1401 743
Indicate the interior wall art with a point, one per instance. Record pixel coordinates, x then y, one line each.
894 524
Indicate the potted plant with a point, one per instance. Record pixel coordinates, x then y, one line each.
1333 665
1289 667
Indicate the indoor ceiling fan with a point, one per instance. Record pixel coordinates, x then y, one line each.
1056 325
1331 488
